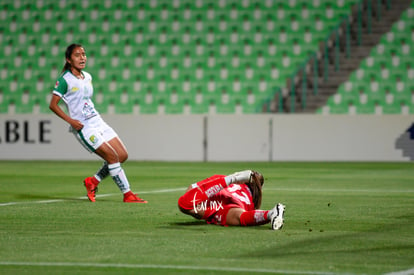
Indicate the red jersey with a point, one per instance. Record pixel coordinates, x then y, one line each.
233 196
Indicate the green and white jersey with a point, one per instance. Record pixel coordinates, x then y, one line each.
77 94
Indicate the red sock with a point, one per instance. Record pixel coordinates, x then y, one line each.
94 181
253 217
205 189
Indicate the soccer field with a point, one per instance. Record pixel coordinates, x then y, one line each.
341 218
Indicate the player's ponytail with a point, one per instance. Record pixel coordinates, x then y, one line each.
255 185
68 54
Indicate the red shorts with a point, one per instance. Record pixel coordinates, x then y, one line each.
219 217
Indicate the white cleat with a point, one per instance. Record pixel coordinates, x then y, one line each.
276 219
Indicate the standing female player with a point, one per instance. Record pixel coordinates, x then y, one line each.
231 200
74 87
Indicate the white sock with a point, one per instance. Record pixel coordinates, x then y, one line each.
119 177
270 213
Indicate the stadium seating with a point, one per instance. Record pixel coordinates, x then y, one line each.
197 48
383 83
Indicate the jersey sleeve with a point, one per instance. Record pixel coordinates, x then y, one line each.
61 87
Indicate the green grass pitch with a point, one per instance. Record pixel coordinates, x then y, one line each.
341 218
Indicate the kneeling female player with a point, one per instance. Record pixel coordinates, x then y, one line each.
230 200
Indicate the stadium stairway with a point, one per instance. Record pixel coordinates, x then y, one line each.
329 86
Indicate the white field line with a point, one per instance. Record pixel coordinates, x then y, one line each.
182 267
318 190
403 272
162 191
173 267
84 198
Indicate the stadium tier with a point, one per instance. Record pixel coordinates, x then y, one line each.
171 56
383 83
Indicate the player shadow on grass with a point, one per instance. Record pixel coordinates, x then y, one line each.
189 223
203 223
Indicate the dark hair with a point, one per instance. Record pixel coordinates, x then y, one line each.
255 185
68 54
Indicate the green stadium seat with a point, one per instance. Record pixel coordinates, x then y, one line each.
44 105
124 107
175 108
225 108
250 108
365 108
25 106
346 96
376 96
391 108
405 95
4 107
117 25
199 104
337 106
148 108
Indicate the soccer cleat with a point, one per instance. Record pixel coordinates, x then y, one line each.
276 219
91 188
131 197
